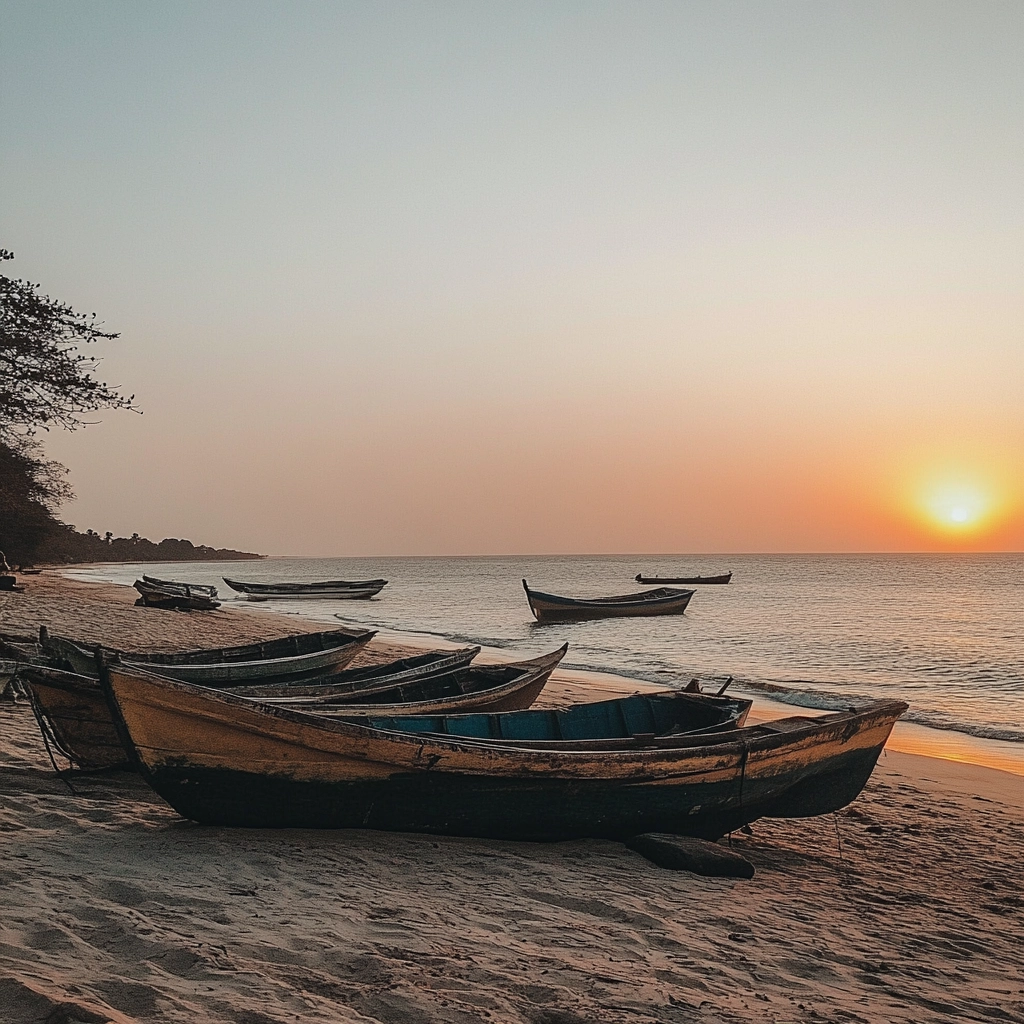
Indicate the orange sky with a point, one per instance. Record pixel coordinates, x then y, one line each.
542 278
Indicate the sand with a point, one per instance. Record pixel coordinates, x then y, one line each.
906 906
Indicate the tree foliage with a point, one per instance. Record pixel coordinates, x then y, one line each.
30 491
45 379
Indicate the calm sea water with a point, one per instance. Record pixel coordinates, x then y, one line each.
943 632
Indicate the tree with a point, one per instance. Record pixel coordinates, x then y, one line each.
45 379
30 491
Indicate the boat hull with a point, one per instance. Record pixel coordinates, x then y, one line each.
538 810
75 718
347 590
548 608
218 761
661 581
347 594
330 653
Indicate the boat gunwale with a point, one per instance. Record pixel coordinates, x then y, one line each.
143 659
529 671
451 662
421 750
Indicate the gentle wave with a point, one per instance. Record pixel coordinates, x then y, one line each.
802 697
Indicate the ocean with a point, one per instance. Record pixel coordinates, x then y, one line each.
945 632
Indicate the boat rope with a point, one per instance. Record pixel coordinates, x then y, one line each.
839 839
44 729
743 767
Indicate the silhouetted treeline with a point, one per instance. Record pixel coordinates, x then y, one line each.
66 544
30 532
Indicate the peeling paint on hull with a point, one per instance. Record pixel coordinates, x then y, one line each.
516 809
223 760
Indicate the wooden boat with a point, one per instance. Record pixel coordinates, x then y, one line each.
294 658
195 588
74 717
177 598
20 647
552 608
724 577
623 723
507 687
349 590
223 760
352 682
8 670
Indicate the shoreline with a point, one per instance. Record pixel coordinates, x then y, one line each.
568 683
903 907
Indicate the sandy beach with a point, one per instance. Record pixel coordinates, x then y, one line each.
905 906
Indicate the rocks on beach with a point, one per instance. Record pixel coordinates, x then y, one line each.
683 853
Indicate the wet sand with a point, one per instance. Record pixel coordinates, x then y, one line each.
906 906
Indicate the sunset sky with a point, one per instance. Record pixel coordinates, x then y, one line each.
432 278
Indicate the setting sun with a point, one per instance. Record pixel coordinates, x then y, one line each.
961 500
957 506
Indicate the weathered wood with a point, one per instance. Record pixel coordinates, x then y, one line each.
685 853
221 759
179 597
507 687
195 588
289 659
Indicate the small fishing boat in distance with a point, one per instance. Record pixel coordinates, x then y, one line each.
724 577
552 608
348 590
178 597
194 588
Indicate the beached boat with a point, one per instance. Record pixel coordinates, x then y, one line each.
348 590
195 588
349 684
293 658
552 608
8 670
507 687
176 598
223 760
75 718
724 577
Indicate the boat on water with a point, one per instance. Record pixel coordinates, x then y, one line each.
195 588
289 659
223 760
348 590
553 608
175 598
724 577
